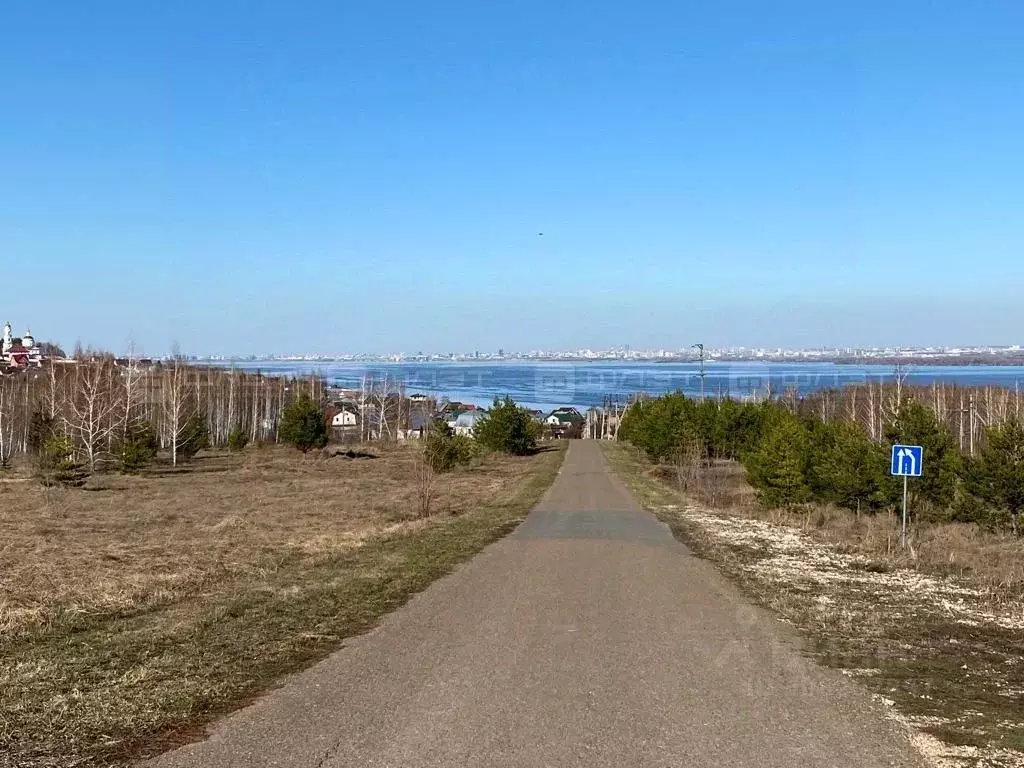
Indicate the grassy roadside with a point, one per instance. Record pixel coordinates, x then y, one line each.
94 685
946 652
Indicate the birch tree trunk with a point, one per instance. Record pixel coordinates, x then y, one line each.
6 420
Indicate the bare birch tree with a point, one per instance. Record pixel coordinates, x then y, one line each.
6 420
131 383
178 405
88 415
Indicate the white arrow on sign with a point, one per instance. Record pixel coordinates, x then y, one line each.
902 454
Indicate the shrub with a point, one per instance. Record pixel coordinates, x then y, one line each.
139 447
508 428
238 438
303 425
195 436
40 430
443 450
57 464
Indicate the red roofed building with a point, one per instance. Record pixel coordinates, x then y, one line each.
19 355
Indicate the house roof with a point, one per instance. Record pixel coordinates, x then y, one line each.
454 405
468 419
565 417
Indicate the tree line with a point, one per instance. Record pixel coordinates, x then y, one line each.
101 412
834 447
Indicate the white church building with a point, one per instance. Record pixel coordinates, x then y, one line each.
19 352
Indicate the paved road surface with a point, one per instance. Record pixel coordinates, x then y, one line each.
587 638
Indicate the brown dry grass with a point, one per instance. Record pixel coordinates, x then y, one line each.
136 607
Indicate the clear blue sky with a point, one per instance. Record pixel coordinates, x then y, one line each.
339 176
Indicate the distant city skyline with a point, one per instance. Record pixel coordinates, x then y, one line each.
682 348
272 177
630 353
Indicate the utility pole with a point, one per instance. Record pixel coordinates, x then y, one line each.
700 348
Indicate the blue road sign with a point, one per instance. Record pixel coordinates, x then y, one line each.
907 460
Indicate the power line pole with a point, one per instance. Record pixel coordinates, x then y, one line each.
700 347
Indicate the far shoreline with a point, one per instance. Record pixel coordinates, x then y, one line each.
910 362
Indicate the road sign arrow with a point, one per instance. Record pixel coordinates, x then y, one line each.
911 461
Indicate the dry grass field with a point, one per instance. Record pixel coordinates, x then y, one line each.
936 632
139 607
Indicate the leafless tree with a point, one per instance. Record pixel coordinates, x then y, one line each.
425 479
89 413
131 383
6 419
178 404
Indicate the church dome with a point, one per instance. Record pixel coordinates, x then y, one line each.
27 341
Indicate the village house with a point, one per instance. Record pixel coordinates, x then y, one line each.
466 422
344 420
564 417
564 422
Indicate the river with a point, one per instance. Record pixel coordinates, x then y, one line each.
546 384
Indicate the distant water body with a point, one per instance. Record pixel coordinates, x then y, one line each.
545 385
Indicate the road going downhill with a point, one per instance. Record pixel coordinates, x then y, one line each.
589 638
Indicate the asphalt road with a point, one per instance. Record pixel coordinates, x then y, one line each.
588 638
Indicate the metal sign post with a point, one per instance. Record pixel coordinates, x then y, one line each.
903 533
907 461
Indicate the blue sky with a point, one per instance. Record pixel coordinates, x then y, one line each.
253 177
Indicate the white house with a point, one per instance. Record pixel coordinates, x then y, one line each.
344 420
465 423
564 417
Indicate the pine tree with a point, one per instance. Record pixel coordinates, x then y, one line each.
778 469
303 425
138 448
507 428
998 474
194 437
846 468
